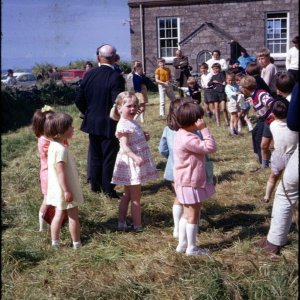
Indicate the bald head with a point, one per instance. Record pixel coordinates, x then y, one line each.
106 54
178 53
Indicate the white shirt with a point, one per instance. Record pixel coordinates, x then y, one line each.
292 59
285 140
204 79
220 61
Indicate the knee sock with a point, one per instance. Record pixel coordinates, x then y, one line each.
182 240
191 233
239 129
177 211
249 124
42 222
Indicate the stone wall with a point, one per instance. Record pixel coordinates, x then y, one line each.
244 21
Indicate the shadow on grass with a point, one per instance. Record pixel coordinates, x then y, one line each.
226 176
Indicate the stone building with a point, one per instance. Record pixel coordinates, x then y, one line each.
159 27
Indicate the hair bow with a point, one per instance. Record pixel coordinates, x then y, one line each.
47 108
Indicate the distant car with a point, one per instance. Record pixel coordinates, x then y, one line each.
23 78
72 75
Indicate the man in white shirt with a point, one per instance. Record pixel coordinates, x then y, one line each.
292 59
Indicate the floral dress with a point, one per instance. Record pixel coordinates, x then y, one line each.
126 172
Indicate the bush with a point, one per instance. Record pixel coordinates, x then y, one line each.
19 104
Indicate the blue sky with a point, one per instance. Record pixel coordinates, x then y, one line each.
60 31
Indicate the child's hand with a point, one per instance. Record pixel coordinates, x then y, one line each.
138 160
200 124
147 135
68 196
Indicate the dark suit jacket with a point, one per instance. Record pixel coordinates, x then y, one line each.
184 67
95 98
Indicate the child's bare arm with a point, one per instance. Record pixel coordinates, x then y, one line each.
126 149
61 173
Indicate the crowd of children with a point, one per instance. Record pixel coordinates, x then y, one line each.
185 142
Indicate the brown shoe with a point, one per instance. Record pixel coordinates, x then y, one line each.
268 247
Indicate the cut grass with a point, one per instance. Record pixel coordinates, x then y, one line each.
124 265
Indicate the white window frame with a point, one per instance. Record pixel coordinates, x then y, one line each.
278 30
169 59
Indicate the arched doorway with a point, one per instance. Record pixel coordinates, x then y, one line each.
202 57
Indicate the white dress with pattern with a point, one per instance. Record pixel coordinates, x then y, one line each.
126 172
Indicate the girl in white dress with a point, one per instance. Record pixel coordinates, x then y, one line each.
64 191
134 164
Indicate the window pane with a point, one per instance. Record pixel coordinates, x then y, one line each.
168 33
174 23
162 23
174 33
162 43
168 23
162 33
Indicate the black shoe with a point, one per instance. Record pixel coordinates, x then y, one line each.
113 195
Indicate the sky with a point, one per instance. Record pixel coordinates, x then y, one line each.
61 31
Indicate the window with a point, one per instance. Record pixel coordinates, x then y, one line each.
168 37
277 33
202 57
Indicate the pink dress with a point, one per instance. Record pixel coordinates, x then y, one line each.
43 145
126 172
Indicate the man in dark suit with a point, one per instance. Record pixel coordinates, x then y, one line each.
95 98
182 70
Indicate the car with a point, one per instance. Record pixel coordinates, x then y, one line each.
23 78
72 75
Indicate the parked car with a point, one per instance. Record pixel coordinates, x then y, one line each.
72 75
23 78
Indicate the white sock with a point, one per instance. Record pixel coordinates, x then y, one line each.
191 233
76 245
142 117
182 241
177 211
55 243
239 126
42 222
250 126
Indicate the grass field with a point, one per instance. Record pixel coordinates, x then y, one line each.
124 265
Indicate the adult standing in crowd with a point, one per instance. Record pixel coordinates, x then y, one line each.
292 59
216 58
95 98
245 58
182 70
287 192
268 69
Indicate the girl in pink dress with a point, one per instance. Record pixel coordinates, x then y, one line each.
38 122
134 164
191 184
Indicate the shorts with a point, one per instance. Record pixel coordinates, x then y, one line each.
245 106
208 95
267 132
233 106
218 96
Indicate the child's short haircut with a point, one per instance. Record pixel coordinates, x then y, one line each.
188 113
57 124
285 82
171 117
161 60
229 74
280 108
263 52
216 65
204 65
253 69
239 75
295 40
191 80
248 82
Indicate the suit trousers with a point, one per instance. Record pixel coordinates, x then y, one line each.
102 158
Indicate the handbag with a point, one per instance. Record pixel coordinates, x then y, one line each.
209 170
49 213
